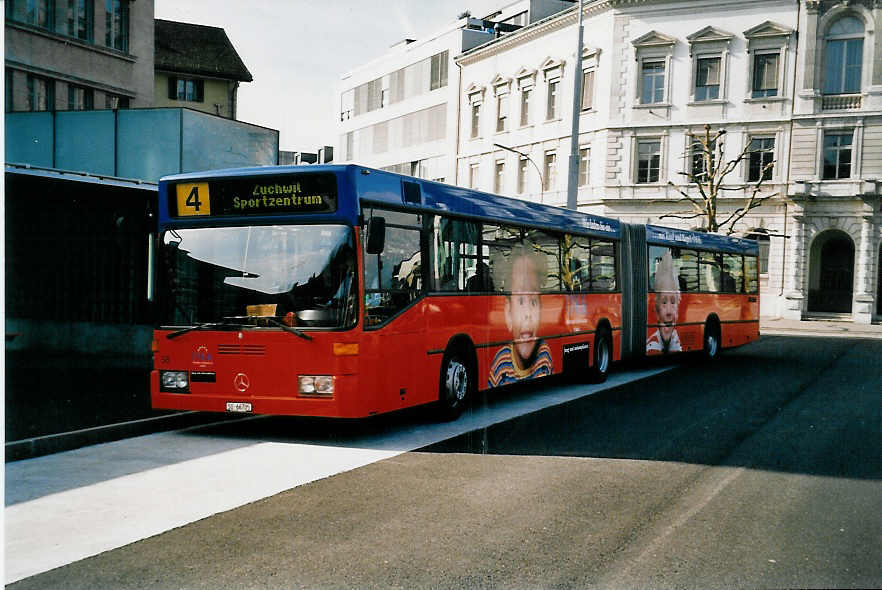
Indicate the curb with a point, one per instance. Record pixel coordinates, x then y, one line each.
30 448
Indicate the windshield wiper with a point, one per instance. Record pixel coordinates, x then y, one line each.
288 328
205 326
274 322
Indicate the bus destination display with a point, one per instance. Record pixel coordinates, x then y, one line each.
271 195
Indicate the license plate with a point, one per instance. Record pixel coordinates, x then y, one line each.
238 407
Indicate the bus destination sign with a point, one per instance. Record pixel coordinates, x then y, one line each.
260 195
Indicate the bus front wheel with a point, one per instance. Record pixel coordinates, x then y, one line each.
455 385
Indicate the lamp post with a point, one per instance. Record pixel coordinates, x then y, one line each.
573 170
528 158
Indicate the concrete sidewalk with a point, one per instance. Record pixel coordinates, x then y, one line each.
819 327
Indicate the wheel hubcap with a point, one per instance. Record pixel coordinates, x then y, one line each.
457 381
603 356
712 345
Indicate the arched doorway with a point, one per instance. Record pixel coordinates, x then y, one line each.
831 278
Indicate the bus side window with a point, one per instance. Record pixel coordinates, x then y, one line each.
454 254
575 263
603 265
686 267
709 277
547 249
498 242
750 269
733 274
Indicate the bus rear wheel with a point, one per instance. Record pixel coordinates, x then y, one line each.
602 356
711 340
456 385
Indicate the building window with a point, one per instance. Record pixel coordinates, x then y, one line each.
501 112
844 56
474 171
79 98
499 178
552 99
707 78
762 239
837 155
700 166
9 91
550 170
522 175
587 90
113 101
476 119
526 92
80 19
648 160
761 158
765 75
117 24
41 94
654 54
584 159
39 13
438 71
186 89
652 82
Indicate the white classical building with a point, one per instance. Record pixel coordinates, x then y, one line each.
797 83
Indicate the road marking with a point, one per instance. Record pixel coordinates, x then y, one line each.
140 487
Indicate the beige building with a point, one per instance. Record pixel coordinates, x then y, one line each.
197 67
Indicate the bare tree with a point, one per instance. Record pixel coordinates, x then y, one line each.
706 170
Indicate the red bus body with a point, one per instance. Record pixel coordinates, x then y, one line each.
398 361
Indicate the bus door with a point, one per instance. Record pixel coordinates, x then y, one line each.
394 321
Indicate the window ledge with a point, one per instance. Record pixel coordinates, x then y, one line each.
91 45
755 99
654 105
555 120
713 102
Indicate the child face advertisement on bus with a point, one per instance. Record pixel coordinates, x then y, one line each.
664 307
527 356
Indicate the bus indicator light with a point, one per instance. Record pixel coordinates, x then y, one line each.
346 349
193 199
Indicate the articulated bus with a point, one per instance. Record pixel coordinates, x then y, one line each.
343 291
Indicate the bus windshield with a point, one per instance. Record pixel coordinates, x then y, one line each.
279 275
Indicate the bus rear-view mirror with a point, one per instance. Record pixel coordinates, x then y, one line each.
376 235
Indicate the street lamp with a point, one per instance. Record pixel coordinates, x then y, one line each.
526 157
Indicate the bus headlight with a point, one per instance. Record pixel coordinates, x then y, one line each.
316 385
174 381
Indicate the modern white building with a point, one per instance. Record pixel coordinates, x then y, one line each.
399 112
795 85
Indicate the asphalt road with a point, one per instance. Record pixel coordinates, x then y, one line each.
761 470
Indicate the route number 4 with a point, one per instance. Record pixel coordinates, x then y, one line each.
193 199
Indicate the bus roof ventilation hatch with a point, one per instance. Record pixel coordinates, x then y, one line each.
411 192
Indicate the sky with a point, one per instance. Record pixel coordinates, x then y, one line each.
297 51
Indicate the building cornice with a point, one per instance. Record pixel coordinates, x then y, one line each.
566 18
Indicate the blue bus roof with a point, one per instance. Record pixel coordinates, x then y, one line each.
387 188
698 240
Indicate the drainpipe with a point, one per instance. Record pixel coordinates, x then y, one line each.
790 147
